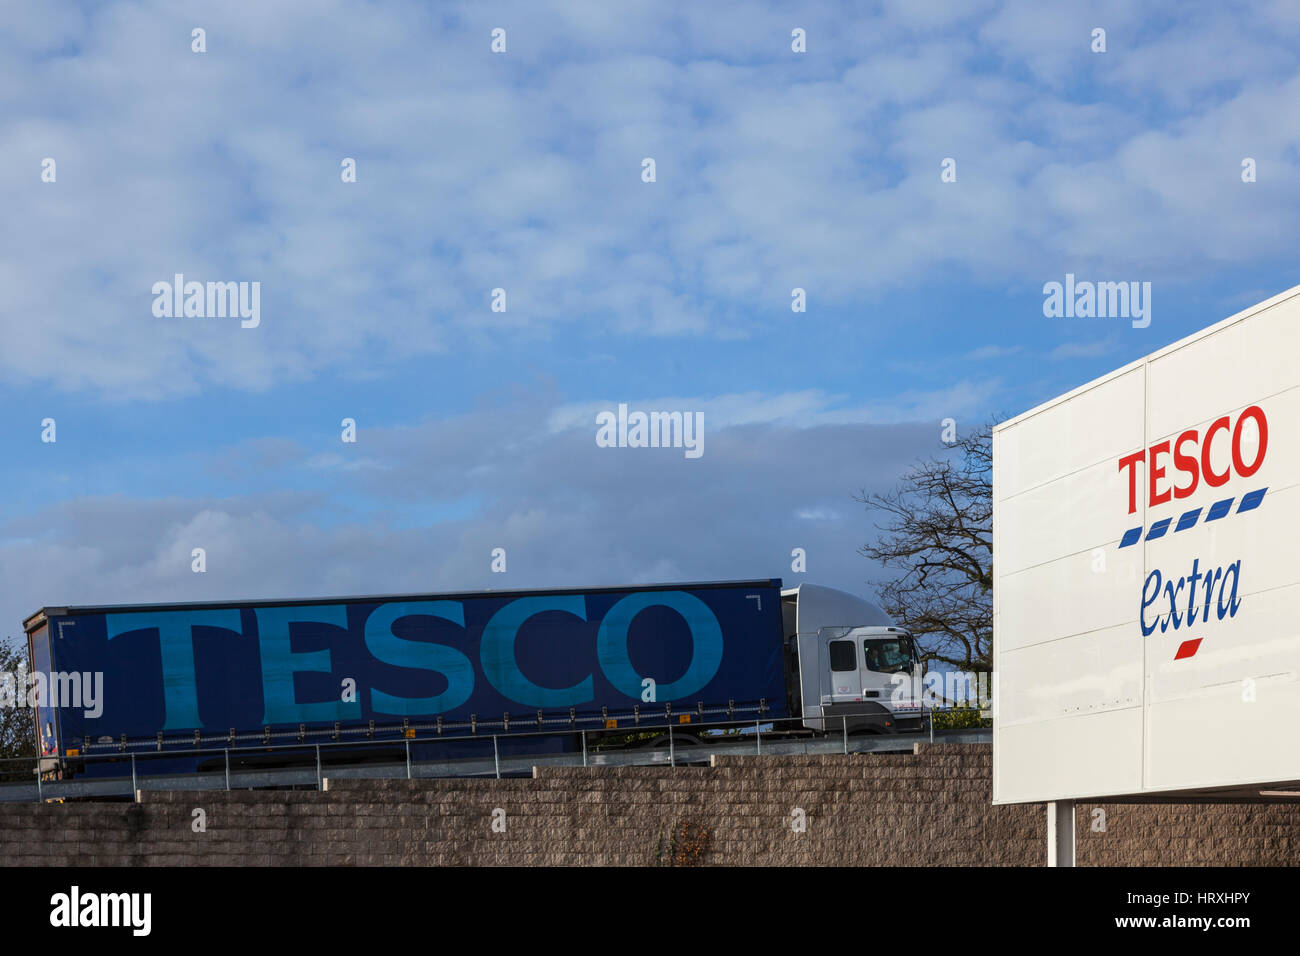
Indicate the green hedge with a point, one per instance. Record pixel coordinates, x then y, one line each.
960 718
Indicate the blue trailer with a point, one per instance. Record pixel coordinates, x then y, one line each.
440 674
190 676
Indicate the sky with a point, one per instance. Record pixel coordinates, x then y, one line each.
920 170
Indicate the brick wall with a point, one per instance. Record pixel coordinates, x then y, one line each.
1224 834
932 808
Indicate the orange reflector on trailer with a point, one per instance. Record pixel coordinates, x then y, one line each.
683 718
74 752
611 724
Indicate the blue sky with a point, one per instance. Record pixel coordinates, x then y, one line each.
522 170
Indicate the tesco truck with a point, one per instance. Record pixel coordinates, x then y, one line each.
1146 535
194 677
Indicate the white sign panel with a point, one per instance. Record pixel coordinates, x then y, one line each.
1146 608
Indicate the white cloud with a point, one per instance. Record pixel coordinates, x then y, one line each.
804 409
522 171
985 352
817 514
566 511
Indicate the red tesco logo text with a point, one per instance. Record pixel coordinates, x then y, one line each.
1191 454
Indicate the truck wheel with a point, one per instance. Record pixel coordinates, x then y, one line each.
684 739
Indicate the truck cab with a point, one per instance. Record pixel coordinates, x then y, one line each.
850 669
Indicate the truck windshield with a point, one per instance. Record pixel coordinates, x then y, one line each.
887 655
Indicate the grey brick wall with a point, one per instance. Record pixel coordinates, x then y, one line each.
931 808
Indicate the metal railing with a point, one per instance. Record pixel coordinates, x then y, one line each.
309 765
474 726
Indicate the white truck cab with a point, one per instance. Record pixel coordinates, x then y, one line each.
848 666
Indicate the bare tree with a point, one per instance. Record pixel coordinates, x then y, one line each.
17 726
939 534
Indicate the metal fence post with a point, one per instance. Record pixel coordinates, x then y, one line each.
319 783
408 759
672 756
227 768
40 795
496 756
846 734
584 748
135 787
758 731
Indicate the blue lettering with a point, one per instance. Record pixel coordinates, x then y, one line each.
1210 581
1149 629
1174 587
706 635
278 665
498 653
1233 601
419 655
1175 618
176 646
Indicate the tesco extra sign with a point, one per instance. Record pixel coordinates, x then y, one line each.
1195 464
1175 469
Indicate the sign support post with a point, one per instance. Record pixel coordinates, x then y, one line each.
1060 833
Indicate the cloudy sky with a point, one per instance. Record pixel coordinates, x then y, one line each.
522 170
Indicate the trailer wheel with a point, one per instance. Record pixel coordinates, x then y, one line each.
682 739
